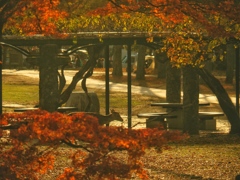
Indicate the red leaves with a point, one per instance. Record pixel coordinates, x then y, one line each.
38 17
95 143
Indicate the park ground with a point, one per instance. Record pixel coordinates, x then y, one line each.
214 156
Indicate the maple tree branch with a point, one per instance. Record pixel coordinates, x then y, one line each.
13 126
157 6
68 142
114 3
9 126
62 79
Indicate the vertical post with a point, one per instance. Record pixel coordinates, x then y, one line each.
129 83
1 62
107 89
237 79
48 78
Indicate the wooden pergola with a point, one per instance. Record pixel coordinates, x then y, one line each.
153 40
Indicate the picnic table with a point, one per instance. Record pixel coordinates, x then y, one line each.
176 105
176 110
207 121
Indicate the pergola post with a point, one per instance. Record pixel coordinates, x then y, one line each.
129 83
237 79
48 78
107 89
1 61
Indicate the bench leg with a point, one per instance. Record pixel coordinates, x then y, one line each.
207 124
175 123
154 122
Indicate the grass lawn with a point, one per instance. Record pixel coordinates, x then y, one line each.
20 94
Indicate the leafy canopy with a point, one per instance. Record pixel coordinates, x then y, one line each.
191 28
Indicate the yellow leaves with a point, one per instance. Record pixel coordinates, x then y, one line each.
214 43
150 39
191 50
100 38
181 50
74 39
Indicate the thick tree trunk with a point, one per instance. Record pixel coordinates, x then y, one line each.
117 61
223 98
231 58
48 72
190 100
140 74
173 84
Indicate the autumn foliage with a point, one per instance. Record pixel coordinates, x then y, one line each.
36 17
35 137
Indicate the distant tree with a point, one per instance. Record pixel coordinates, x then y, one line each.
7 9
140 73
117 61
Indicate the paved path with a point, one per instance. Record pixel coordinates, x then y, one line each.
97 84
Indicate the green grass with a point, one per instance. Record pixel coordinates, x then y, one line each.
120 100
20 94
25 94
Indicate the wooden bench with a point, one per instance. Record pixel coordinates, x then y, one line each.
208 121
156 119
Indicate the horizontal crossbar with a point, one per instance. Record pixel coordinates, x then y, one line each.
209 115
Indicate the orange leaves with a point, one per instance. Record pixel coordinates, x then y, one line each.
108 9
24 161
68 174
95 157
38 17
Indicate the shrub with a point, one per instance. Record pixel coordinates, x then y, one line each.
36 135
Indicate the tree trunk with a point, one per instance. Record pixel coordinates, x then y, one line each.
161 61
117 61
190 100
231 58
161 70
48 72
173 84
140 73
1 65
224 100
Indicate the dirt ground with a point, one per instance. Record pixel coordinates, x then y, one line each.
17 79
